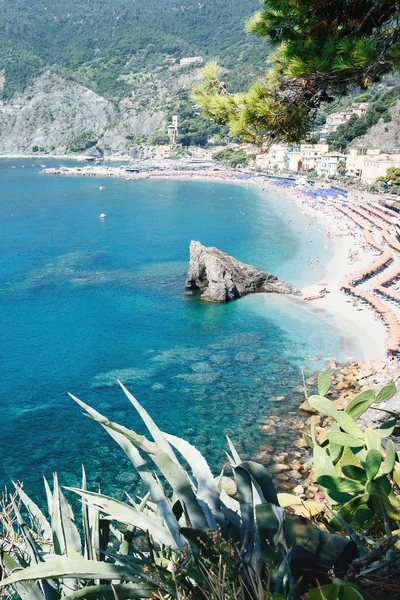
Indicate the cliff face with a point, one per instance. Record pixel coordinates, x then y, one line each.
50 113
53 111
222 278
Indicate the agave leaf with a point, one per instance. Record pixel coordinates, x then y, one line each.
31 544
154 431
373 463
88 550
348 425
390 459
386 392
323 405
62 568
33 550
49 497
122 512
39 521
154 486
324 383
172 470
60 546
352 534
245 497
360 404
121 591
270 521
71 535
206 484
263 482
28 590
235 455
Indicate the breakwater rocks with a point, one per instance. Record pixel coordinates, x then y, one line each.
285 451
222 278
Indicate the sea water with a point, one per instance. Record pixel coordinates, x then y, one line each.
85 301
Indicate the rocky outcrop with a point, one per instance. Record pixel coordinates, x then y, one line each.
222 278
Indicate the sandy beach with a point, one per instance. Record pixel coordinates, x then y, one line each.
364 332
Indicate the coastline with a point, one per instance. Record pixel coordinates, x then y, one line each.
363 333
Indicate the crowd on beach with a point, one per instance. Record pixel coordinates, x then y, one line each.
371 229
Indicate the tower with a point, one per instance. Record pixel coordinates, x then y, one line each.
173 131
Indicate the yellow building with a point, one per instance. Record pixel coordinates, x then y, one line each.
376 167
356 158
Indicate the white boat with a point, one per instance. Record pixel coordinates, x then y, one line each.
102 216
101 187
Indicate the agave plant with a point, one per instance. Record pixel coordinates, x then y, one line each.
176 529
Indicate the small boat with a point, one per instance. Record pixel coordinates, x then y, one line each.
315 297
102 216
43 166
101 187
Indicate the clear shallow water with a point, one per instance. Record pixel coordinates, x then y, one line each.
85 301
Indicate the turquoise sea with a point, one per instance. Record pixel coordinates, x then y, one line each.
84 301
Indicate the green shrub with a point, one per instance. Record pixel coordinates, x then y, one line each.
82 141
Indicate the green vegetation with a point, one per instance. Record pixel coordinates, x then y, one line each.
358 126
393 175
108 44
321 48
194 128
82 141
186 538
232 158
349 462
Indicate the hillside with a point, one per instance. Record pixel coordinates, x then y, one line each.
380 125
59 58
100 42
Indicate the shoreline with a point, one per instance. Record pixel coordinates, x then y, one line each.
363 334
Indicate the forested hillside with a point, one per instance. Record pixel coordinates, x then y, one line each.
107 44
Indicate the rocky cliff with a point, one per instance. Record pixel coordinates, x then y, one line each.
54 110
49 114
222 278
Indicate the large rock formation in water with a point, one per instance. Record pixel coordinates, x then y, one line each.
222 278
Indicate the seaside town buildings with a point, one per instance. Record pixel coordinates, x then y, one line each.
377 166
334 120
330 163
365 164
